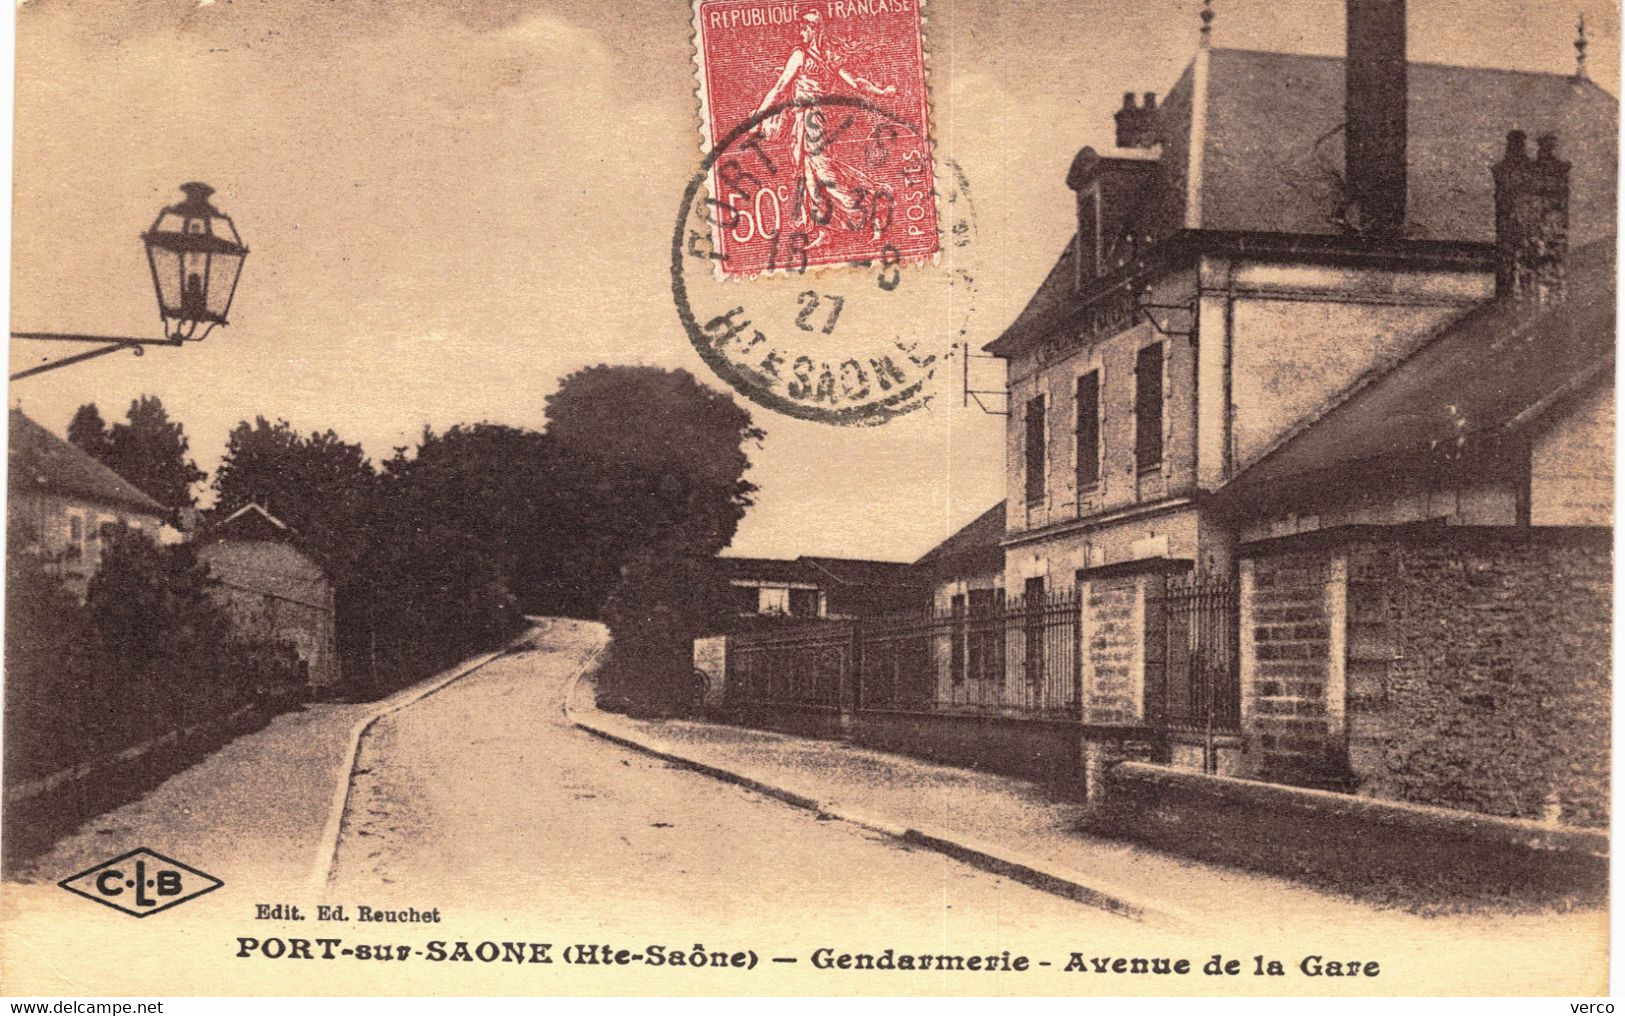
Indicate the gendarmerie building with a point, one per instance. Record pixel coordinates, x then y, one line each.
1312 420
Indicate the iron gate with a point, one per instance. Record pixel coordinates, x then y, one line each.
1202 658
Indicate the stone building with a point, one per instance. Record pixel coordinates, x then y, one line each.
967 569
62 504
1425 566
1324 373
275 590
810 587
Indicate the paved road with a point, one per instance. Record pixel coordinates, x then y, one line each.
482 802
486 792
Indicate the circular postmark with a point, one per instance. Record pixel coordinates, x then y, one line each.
826 278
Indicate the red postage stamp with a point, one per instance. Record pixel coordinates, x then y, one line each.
815 115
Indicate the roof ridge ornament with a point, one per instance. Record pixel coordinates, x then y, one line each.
1580 43
1207 24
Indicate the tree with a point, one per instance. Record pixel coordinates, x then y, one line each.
450 526
325 489
656 458
319 484
664 597
150 451
658 462
50 667
150 603
496 483
88 432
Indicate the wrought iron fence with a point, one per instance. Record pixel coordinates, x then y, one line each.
1041 636
1015 658
804 665
897 661
1201 668
1020 658
976 676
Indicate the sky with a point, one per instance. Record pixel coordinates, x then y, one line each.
451 204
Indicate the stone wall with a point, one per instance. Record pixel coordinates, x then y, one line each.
1042 750
1388 851
1111 634
1287 668
1479 675
805 720
1460 667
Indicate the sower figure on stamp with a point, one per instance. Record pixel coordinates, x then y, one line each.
834 189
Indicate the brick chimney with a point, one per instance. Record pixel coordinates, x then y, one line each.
1137 125
1375 97
1531 221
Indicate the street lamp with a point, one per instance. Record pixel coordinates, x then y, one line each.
196 256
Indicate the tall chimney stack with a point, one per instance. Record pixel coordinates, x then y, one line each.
1137 125
1531 221
1375 116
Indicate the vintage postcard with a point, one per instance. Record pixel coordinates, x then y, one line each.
810 497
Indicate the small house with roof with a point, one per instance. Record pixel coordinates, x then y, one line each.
62 504
811 587
275 589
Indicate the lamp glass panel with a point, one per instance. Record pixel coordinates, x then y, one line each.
222 277
167 268
170 222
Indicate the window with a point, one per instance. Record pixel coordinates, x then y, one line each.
1035 450
984 632
804 602
1088 430
1033 629
747 599
775 600
956 648
76 537
1148 407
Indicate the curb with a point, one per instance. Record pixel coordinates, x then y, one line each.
327 848
996 860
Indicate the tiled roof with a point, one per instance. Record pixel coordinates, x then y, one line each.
1272 152
853 571
765 569
39 461
822 571
250 522
1481 375
1263 170
982 533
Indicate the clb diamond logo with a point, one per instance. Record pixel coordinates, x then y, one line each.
141 882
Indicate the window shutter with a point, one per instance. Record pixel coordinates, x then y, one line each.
1035 450
1088 430
1148 413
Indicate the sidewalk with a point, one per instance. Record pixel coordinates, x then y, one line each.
1017 828
255 811
251 812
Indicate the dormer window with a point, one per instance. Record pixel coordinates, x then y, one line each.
1111 192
